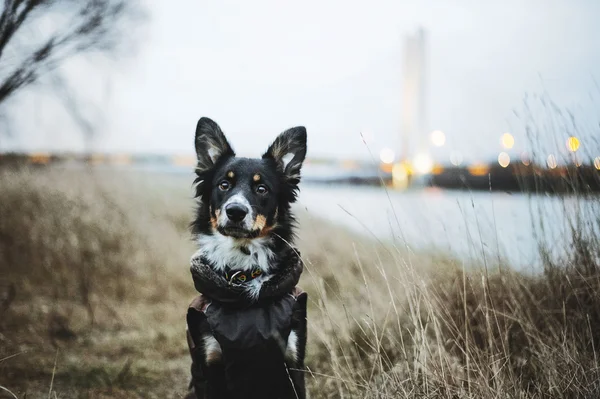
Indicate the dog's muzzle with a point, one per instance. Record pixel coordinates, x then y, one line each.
235 218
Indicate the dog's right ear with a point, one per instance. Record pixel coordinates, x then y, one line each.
290 144
211 144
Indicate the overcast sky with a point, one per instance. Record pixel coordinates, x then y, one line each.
259 67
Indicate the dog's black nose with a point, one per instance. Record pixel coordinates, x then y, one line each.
236 212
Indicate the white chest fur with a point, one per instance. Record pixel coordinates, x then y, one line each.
238 254
223 251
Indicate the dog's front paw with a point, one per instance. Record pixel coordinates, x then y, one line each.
212 349
296 342
291 351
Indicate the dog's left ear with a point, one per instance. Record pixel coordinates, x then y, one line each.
289 151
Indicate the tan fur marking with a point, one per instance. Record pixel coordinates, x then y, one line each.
214 221
265 231
213 356
259 222
256 177
230 174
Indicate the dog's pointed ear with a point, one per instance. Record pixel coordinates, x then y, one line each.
211 144
288 151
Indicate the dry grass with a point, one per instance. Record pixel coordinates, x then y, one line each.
98 264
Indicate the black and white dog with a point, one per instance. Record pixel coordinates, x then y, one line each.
247 332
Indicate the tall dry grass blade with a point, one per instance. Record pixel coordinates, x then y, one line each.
466 316
53 373
382 183
7 390
11 356
291 381
494 220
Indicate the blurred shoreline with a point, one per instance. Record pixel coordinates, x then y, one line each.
527 178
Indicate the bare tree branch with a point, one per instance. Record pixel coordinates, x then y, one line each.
13 17
92 25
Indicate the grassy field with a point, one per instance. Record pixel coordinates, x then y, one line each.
95 284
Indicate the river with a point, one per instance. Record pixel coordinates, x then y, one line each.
469 225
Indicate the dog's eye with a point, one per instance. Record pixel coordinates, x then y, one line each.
262 189
224 185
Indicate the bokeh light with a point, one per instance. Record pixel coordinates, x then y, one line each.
387 155
507 140
400 175
551 161
423 163
525 158
573 144
504 159
597 163
438 138
478 169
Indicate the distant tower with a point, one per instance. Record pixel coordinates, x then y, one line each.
413 134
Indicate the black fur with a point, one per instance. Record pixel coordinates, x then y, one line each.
221 176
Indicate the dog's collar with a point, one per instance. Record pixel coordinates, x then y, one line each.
240 276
